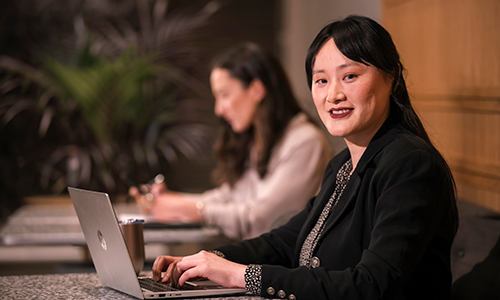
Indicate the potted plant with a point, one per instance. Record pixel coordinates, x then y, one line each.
124 103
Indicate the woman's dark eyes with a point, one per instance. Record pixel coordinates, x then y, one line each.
346 77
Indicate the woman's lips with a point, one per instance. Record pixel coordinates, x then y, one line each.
340 113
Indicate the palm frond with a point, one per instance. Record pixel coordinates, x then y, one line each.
116 102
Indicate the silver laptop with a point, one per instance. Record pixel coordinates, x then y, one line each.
111 258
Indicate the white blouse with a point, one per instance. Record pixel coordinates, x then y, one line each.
256 205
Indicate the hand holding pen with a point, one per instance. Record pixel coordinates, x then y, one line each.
145 193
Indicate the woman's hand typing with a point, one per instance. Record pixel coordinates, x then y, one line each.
203 264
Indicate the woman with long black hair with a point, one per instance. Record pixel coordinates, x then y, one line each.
382 225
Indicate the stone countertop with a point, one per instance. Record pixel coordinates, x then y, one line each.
68 287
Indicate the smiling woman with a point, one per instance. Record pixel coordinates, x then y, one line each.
352 98
382 225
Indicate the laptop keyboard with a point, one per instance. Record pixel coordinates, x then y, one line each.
155 286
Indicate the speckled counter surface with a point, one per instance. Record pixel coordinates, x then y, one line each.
67 287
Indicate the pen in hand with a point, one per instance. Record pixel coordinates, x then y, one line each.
145 188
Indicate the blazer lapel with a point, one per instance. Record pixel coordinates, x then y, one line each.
384 136
327 188
347 199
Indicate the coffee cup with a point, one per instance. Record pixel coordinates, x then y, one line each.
132 230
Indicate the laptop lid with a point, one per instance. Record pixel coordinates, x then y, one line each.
105 241
109 252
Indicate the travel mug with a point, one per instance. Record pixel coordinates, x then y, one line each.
132 230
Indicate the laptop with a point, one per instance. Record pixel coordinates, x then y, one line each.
111 258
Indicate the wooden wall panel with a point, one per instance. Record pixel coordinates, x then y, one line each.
451 49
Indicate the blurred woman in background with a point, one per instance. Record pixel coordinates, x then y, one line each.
270 156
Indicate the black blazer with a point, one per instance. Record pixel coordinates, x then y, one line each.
388 238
